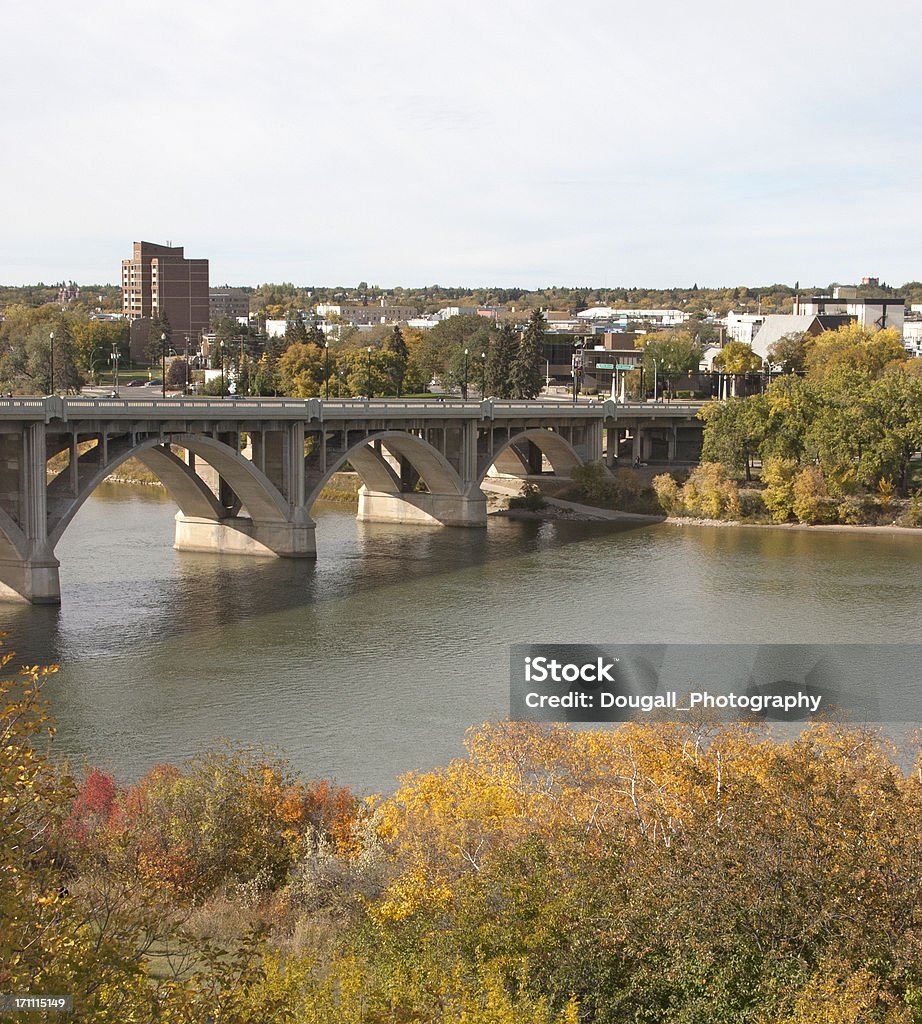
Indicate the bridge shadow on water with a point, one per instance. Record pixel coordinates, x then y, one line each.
119 590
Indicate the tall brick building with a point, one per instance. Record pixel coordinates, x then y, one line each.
159 280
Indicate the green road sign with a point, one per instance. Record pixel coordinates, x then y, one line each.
626 366
604 366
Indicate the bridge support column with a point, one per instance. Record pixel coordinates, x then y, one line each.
422 507
31 572
34 579
241 536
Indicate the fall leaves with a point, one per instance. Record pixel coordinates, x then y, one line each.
668 872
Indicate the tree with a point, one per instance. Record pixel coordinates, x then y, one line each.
300 370
669 355
789 353
396 347
737 357
527 375
734 431
158 339
296 331
855 347
500 359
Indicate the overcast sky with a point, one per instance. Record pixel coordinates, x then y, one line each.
517 143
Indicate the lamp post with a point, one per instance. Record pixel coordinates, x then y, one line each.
221 350
464 379
655 378
51 382
326 369
114 357
483 375
163 365
368 393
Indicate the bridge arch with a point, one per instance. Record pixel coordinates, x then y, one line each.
558 451
195 499
387 495
380 476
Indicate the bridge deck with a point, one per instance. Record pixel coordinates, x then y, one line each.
318 410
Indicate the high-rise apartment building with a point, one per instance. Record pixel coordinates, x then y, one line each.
158 280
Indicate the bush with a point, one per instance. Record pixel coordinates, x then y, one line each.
752 505
710 493
668 494
913 514
531 499
778 495
856 510
811 502
595 486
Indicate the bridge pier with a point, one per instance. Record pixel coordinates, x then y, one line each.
238 535
34 579
422 507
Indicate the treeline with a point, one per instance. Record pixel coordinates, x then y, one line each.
283 299
670 873
37 342
466 354
835 439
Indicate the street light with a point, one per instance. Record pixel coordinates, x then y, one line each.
221 350
326 369
114 357
483 375
464 379
163 364
51 385
368 393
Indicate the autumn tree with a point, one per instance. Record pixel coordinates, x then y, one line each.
737 357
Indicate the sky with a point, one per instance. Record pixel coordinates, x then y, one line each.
473 143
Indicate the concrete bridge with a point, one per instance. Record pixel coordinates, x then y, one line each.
246 472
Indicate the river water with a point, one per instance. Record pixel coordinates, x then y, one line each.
374 660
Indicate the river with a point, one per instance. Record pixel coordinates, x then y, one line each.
375 659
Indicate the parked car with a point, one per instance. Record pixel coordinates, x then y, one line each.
136 383
155 383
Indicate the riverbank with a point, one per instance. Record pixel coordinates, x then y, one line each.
558 508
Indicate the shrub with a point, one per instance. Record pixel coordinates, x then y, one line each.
752 505
811 503
668 494
530 499
710 493
913 514
856 510
778 495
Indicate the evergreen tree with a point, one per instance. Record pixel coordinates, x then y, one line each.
527 378
396 347
296 331
157 347
500 358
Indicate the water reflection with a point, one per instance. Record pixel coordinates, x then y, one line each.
374 659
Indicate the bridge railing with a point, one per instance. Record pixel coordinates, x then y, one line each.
56 407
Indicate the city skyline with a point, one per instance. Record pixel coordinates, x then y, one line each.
468 146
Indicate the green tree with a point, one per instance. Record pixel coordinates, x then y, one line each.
296 331
396 347
500 360
669 355
734 431
527 376
159 338
789 353
300 370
